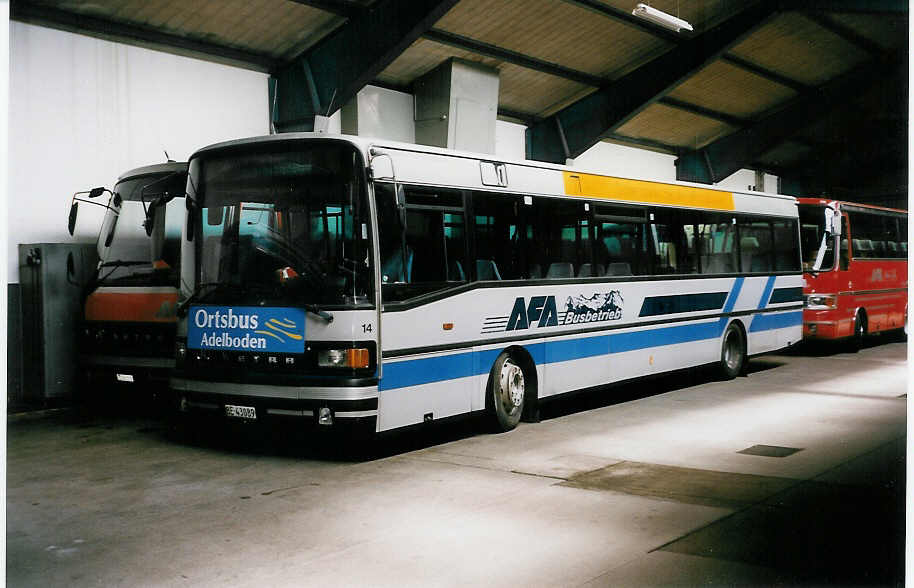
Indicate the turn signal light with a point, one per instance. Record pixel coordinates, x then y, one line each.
348 358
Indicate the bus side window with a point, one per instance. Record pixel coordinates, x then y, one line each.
845 254
786 248
903 237
498 236
718 250
673 236
754 246
561 240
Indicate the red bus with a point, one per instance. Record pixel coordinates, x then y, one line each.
863 288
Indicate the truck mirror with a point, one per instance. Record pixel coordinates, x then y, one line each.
96 192
71 222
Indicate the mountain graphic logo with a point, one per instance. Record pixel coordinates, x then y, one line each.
280 329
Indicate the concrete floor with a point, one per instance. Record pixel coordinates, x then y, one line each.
638 485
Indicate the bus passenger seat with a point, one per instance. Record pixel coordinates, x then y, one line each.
719 263
618 268
392 270
487 270
585 271
749 248
559 270
455 272
613 246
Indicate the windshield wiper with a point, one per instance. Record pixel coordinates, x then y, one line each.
312 308
116 264
199 292
315 309
122 263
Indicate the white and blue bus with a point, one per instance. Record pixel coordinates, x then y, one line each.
341 280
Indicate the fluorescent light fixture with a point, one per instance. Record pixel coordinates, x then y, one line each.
661 18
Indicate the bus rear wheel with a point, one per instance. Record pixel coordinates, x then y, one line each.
507 393
732 352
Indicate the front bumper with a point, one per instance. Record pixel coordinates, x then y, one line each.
349 404
105 370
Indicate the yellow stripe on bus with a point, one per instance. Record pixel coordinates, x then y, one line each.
594 186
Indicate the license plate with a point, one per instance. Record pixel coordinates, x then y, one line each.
241 412
124 377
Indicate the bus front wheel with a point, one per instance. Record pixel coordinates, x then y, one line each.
732 352
859 336
507 392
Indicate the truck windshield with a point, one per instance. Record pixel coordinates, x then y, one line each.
814 239
283 224
131 256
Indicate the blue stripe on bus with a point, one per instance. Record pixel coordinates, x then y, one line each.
415 372
766 322
766 294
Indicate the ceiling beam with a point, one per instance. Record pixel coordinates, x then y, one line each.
138 35
508 56
583 123
331 73
344 8
727 155
845 32
733 121
854 6
764 72
646 143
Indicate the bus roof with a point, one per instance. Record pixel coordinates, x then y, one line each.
366 144
158 168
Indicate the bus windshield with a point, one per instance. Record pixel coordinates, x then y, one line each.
283 225
129 256
814 240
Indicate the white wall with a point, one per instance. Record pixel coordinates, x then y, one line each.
510 140
83 110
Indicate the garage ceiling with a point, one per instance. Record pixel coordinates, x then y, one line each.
813 91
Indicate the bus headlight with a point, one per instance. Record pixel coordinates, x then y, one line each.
180 352
343 358
821 302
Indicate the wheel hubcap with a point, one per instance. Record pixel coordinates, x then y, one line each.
511 385
732 350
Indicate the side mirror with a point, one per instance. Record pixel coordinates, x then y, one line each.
189 214
149 222
71 223
96 192
836 224
829 221
382 166
400 201
109 237
214 215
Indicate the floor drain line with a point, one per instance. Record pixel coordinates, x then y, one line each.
770 450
